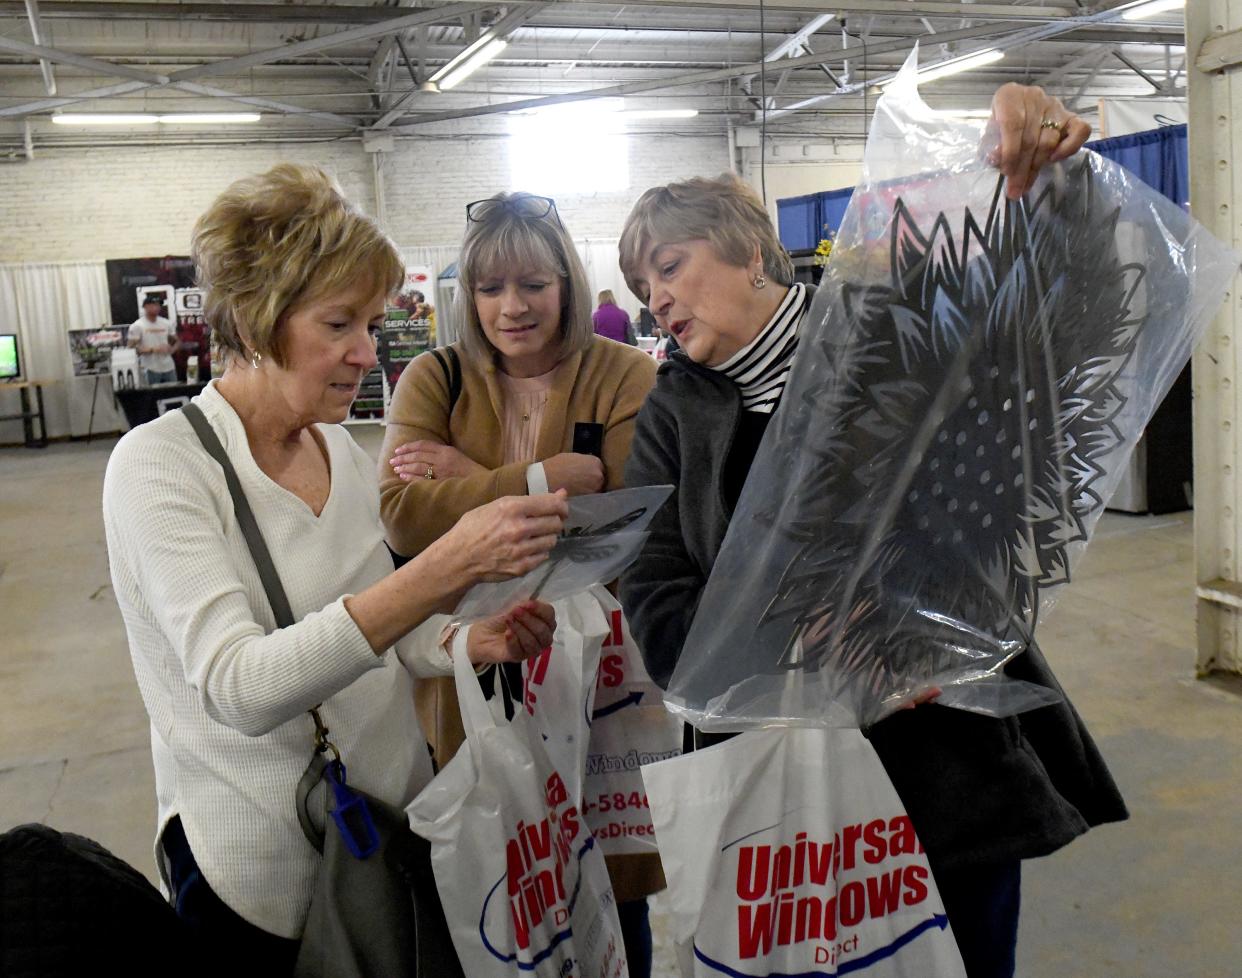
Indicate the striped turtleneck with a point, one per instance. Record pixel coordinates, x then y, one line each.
761 368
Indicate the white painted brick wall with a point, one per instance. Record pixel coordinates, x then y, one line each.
134 203
128 203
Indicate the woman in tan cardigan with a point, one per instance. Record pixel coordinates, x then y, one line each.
495 415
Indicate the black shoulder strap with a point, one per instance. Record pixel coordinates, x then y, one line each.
452 373
245 517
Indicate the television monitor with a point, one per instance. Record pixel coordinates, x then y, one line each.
10 362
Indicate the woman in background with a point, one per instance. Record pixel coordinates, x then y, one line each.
611 321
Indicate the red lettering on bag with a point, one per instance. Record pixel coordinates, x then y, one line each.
848 844
755 926
616 634
852 903
611 671
902 840
534 672
752 872
877 846
884 893
915 878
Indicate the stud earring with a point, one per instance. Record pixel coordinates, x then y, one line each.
759 281
255 359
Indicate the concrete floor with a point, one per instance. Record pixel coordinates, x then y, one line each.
1156 896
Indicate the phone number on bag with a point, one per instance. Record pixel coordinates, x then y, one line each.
618 801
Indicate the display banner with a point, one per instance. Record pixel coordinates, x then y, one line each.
90 350
127 275
1121 117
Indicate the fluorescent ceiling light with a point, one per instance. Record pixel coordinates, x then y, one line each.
660 113
1152 9
104 119
956 66
209 117
468 62
150 118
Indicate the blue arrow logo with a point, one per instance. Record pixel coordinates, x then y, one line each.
632 700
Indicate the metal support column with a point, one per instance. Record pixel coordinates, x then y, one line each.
1214 71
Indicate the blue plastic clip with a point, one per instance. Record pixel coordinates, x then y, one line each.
351 814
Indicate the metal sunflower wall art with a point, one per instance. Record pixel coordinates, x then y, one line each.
976 401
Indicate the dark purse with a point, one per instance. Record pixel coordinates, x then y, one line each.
375 910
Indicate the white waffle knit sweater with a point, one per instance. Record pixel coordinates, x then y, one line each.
227 692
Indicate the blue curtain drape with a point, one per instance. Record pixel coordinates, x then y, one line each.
798 221
1158 157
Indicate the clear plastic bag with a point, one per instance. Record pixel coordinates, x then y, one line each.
603 535
971 379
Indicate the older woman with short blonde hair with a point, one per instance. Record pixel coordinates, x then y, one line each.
983 793
296 281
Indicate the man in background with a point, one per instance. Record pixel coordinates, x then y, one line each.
155 341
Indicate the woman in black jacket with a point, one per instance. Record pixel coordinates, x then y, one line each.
983 793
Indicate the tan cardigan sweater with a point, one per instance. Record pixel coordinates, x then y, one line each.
606 384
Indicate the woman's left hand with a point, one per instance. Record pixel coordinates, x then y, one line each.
430 460
1028 142
522 631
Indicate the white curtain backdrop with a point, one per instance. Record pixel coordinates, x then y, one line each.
41 303
600 257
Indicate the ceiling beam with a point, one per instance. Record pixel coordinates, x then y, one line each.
36 34
47 104
314 45
348 14
795 42
699 77
380 64
179 79
1138 71
40 52
501 29
1061 26
284 108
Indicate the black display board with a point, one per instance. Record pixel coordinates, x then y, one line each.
127 275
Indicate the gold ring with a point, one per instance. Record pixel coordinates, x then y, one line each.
1061 127
430 473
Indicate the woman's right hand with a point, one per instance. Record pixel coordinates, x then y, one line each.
506 538
578 475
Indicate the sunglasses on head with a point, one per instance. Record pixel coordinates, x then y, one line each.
530 206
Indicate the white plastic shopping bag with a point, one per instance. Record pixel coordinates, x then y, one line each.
630 727
788 852
522 881
558 685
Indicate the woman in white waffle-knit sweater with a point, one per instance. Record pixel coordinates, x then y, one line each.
296 281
